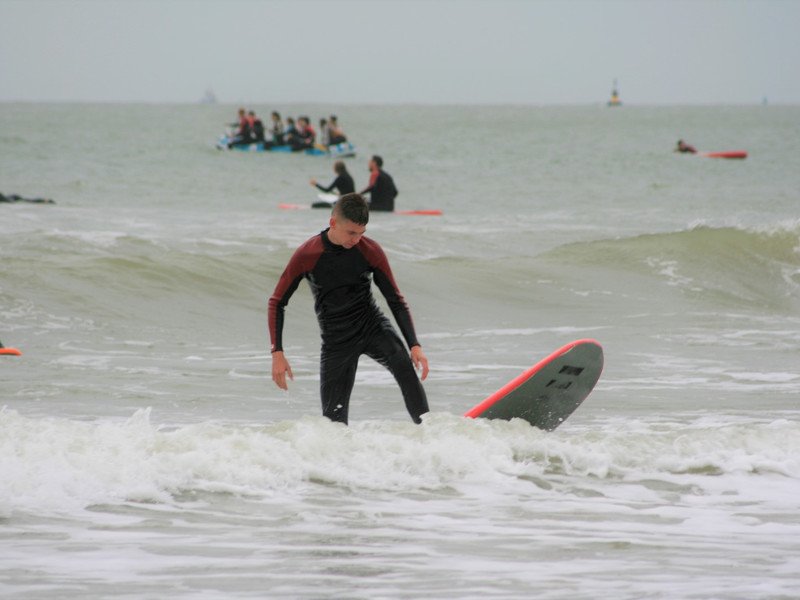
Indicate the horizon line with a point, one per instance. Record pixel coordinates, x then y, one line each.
604 103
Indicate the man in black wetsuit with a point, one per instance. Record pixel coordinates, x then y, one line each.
340 264
381 188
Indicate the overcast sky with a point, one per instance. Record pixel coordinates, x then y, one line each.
421 51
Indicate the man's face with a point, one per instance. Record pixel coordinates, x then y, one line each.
344 232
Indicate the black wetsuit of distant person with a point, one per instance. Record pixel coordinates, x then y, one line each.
257 128
351 324
343 183
381 188
304 136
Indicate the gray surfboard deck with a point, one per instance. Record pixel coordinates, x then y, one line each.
550 391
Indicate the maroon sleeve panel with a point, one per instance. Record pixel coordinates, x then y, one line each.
384 279
301 263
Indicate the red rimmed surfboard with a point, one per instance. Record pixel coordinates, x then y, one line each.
9 351
550 391
327 201
725 154
426 212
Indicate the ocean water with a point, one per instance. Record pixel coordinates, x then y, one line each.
145 452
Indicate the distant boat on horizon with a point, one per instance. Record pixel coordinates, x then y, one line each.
209 97
615 101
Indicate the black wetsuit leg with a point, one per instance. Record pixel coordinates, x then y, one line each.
386 348
337 374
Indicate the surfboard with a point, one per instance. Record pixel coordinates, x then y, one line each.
328 200
343 150
550 391
725 154
9 351
325 200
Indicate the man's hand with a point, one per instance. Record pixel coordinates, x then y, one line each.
281 368
418 358
313 182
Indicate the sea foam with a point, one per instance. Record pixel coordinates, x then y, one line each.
56 464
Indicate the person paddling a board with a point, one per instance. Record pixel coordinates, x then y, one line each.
340 264
685 148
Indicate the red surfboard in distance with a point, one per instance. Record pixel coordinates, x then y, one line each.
426 212
550 391
725 154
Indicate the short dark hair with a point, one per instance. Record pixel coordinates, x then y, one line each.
352 207
378 160
340 167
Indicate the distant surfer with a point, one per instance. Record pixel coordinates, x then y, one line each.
343 183
335 132
324 133
381 188
290 132
256 127
304 136
685 148
18 198
244 131
276 129
340 264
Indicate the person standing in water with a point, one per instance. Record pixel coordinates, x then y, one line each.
340 264
381 188
343 183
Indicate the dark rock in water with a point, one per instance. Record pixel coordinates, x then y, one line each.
17 198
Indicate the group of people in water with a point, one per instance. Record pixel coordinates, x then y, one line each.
298 135
381 188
